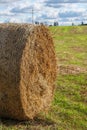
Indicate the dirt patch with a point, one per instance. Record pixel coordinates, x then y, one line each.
77 49
70 69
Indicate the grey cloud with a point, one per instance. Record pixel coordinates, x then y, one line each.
7 1
60 3
70 14
54 5
6 15
44 16
22 10
62 16
65 1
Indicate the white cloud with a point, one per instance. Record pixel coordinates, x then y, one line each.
8 1
20 11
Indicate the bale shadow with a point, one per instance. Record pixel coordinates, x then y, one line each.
35 122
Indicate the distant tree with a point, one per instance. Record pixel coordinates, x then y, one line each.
36 22
72 24
82 23
56 24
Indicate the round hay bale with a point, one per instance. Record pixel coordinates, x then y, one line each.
27 70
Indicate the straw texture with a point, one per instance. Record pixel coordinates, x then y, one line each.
27 70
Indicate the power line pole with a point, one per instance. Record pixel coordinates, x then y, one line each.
32 13
32 16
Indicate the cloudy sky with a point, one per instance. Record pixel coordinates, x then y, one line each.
65 12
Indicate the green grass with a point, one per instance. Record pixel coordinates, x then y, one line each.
69 107
71 46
